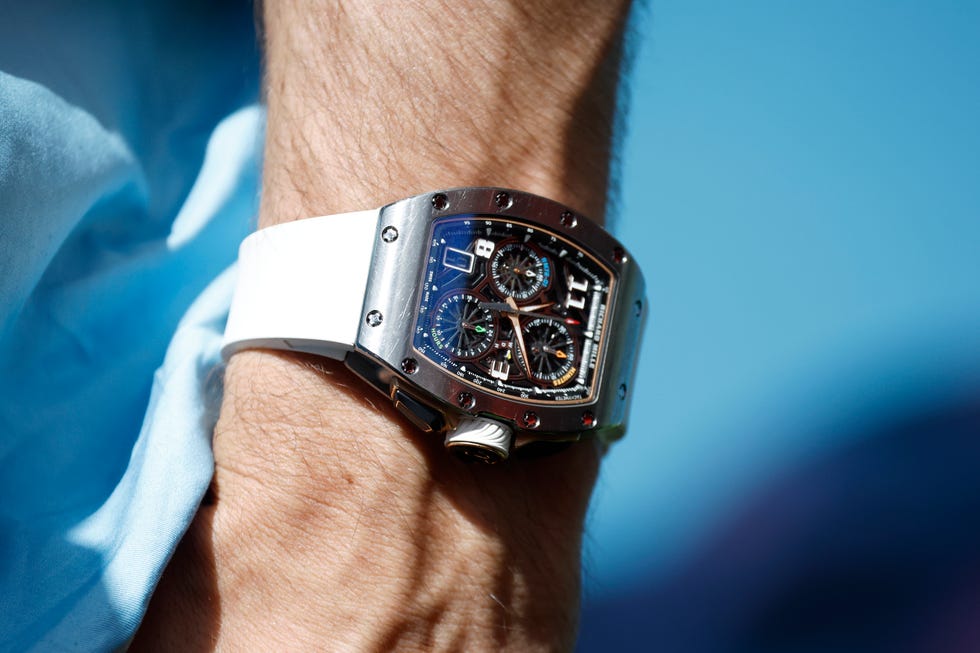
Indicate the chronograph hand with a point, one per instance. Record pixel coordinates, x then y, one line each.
557 353
511 308
537 307
516 323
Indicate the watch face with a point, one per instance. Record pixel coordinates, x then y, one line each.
513 308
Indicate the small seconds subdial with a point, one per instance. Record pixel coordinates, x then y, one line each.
551 351
517 271
462 327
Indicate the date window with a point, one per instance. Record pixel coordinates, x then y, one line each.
457 259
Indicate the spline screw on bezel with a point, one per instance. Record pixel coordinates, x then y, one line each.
410 366
503 200
531 420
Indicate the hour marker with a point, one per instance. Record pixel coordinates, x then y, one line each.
484 248
562 253
574 284
499 369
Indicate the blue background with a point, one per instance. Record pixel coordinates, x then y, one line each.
802 189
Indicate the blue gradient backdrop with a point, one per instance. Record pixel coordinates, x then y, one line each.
802 189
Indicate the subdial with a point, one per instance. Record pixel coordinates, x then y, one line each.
462 327
517 271
550 350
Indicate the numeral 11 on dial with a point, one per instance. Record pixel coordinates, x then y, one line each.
576 286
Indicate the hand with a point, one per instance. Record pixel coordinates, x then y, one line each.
511 308
518 335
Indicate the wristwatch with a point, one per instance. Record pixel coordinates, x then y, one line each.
501 321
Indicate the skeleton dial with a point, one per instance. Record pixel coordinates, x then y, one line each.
513 308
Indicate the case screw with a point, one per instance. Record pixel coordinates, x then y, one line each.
503 200
410 366
638 308
531 420
588 419
619 255
466 401
440 202
622 391
374 318
568 219
389 234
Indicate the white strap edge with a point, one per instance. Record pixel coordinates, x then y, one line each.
301 285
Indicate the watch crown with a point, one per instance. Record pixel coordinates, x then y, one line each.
477 438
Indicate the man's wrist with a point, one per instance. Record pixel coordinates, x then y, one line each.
334 520
351 507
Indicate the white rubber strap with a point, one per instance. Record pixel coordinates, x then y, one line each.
301 285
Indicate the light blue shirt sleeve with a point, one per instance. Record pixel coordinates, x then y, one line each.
129 156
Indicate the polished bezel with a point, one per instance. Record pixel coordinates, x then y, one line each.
393 292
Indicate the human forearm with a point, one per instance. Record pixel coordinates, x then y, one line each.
335 524
382 100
